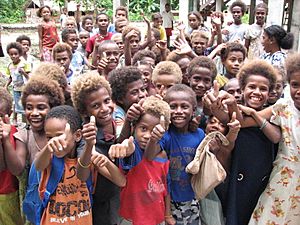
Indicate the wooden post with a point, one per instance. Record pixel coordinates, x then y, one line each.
252 12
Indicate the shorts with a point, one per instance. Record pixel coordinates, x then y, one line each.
17 101
10 209
168 31
186 213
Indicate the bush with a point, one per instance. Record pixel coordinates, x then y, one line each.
11 11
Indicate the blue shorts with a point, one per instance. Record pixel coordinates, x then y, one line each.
18 104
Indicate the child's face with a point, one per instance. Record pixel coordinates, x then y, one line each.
256 91
88 26
72 40
213 124
36 109
83 38
102 22
144 128
4 110
183 63
164 82
112 52
46 13
276 92
146 74
99 104
134 43
25 45
119 42
70 25
182 110
55 127
120 13
237 14
157 22
295 89
63 60
14 55
260 15
233 88
233 62
120 26
200 81
135 92
194 23
199 44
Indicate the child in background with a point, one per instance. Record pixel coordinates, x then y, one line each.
87 23
165 75
146 56
278 203
146 71
106 57
275 38
121 12
62 56
102 22
127 88
180 145
232 57
254 32
91 96
9 198
63 17
63 131
196 22
70 23
277 92
233 88
83 38
26 44
18 71
144 198
157 23
48 35
236 31
199 42
168 19
120 23
117 38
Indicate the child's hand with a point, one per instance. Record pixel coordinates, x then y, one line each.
5 128
21 70
145 18
234 125
132 33
59 143
121 150
135 111
181 26
99 160
210 99
159 130
247 110
162 45
182 47
194 123
102 64
170 220
89 132
215 145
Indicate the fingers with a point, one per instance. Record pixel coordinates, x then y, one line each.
216 87
162 121
233 117
99 160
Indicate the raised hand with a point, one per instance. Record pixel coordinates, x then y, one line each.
89 132
99 160
59 143
181 26
162 45
122 150
159 130
135 111
5 127
234 125
194 123
210 99
182 47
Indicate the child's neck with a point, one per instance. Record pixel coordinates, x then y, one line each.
72 154
103 32
229 75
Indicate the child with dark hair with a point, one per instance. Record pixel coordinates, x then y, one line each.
127 88
276 38
117 38
62 56
120 23
168 19
253 147
79 60
121 13
196 22
86 24
146 70
25 41
9 197
18 71
253 34
102 22
233 88
106 57
91 96
180 145
83 38
145 56
277 92
48 35
236 31
157 23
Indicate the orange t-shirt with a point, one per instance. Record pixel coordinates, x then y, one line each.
70 203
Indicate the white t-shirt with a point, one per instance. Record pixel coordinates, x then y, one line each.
167 19
236 32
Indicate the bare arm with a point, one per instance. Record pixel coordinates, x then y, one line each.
149 35
40 33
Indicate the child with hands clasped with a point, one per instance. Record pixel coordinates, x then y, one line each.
144 199
62 128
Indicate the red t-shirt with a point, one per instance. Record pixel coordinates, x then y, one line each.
49 35
142 199
90 43
8 182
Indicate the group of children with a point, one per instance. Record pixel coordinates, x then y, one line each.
128 114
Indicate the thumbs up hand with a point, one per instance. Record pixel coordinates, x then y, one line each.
159 130
234 125
58 144
126 148
5 127
89 132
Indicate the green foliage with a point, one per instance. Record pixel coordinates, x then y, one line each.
11 11
147 6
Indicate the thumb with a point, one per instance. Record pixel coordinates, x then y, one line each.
92 119
141 102
216 88
233 117
162 121
198 118
130 143
104 55
67 130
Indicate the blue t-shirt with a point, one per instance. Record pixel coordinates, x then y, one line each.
181 149
131 161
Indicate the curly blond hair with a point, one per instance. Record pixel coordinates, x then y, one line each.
292 65
167 67
83 86
7 99
157 107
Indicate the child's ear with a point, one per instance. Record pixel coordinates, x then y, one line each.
78 135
